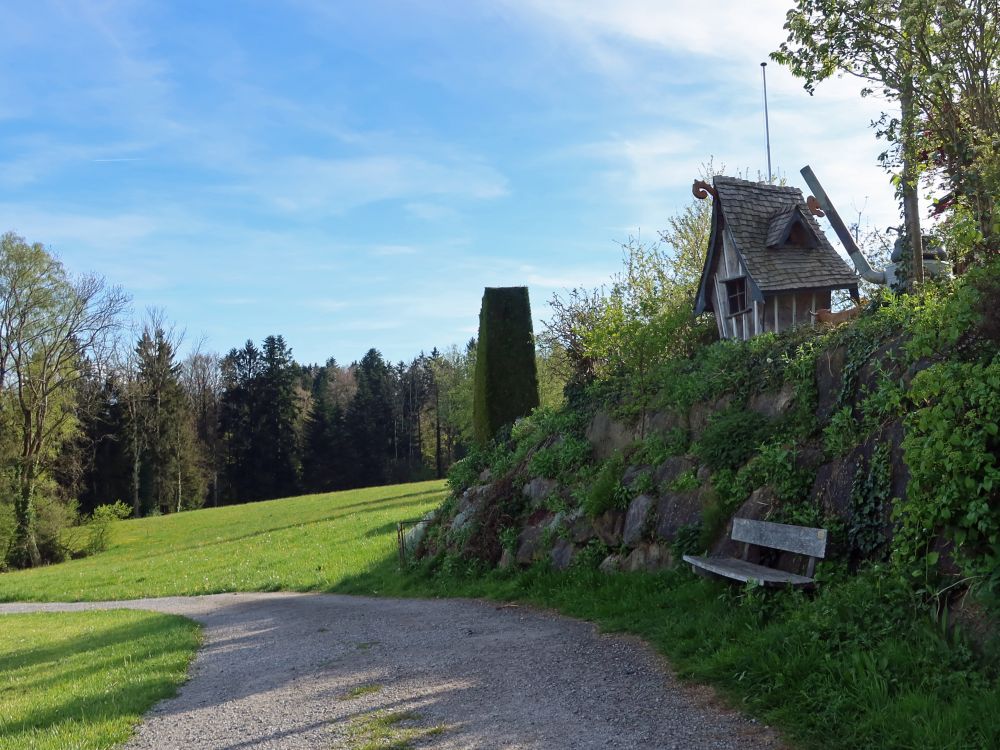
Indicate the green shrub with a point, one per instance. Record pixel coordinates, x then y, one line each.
465 472
871 493
506 379
686 481
7 526
656 448
100 522
605 491
842 434
508 539
952 448
687 541
731 438
591 555
775 467
644 484
561 459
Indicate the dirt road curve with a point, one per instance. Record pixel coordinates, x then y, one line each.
276 671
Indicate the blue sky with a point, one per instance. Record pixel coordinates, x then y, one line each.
353 174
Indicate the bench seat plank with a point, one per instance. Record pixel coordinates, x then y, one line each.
741 570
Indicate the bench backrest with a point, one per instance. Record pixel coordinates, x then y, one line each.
798 539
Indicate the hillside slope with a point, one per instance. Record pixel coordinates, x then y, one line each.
883 431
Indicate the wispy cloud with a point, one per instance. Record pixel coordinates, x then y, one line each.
383 251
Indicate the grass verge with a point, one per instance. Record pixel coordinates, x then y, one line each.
83 679
857 656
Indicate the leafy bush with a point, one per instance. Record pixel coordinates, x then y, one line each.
871 493
7 525
731 438
644 484
775 467
591 555
561 459
657 447
52 520
508 539
465 472
687 541
686 481
100 522
952 448
606 490
842 434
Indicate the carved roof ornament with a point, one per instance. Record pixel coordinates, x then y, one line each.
814 208
702 190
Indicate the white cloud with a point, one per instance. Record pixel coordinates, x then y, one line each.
309 184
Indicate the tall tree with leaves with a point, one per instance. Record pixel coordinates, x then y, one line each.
939 60
49 324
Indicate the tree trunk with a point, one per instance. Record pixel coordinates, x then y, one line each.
910 178
24 551
437 430
136 465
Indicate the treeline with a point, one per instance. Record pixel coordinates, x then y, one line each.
93 415
166 434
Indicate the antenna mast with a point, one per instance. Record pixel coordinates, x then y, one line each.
767 126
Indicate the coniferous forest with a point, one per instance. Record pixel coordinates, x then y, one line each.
167 433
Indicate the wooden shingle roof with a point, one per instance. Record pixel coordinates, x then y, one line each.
753 213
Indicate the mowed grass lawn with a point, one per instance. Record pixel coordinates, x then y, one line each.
80 680
309 543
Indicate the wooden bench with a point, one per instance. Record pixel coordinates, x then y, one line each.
778 536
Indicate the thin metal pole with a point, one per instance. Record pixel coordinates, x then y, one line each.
767 125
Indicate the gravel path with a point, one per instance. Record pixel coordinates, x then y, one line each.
276 671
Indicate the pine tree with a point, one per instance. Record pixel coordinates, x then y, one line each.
239 423
277 446
369 422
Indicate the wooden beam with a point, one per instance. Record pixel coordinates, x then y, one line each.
722 309
776 306
756 319
812 318
794 299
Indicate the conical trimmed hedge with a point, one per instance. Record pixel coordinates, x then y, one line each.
506 383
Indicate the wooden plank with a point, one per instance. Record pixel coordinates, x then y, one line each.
722 309
794 321
799 539
740 570
756 319
776 329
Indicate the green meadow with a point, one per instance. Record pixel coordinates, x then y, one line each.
83 680
309 543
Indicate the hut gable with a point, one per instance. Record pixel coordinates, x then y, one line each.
766 256
790 228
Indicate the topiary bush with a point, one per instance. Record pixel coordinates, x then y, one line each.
506 379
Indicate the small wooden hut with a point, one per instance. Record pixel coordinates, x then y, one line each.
768 264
